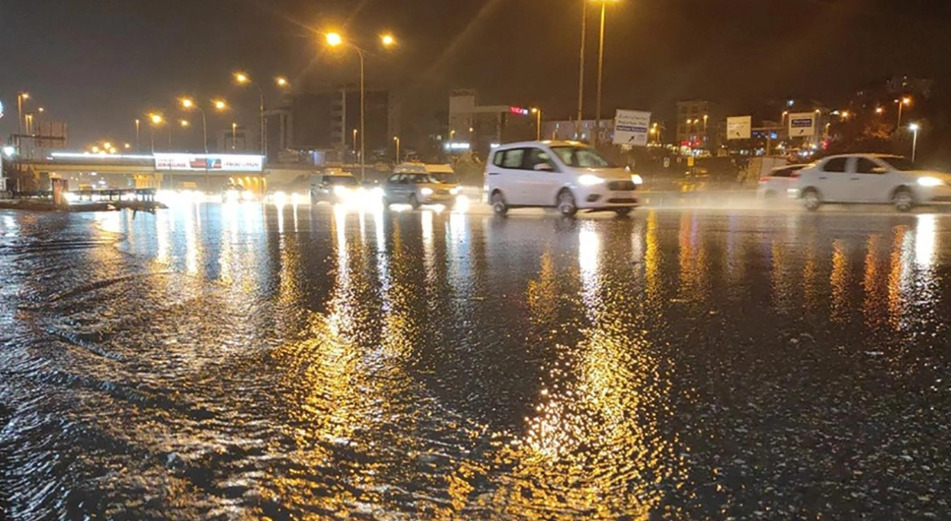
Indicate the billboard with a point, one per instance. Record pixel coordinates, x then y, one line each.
739 127
802 124
200 162
630 127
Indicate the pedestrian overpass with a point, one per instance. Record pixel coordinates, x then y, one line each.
172 171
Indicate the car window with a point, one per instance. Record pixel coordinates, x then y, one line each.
583 157
537 156
340 180
513 158
395 178
864 165
898 163
836 164
497 158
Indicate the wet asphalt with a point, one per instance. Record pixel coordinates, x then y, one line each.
248 362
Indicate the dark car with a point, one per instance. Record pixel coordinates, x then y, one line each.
333 188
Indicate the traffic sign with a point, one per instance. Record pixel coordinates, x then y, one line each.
630 127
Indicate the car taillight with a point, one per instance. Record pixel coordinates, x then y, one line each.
763 179
794 175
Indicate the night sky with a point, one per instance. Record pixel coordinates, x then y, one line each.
97 64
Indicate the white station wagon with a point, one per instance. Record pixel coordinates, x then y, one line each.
566 175
870 179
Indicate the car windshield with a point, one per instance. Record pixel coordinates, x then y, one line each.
443 177
343 180
582 157
898 163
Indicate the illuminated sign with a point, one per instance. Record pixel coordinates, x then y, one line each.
802 124
739 127
223 162
521 111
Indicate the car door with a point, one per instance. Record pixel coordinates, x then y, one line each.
543 179
513 177
871 182
393 188
833 180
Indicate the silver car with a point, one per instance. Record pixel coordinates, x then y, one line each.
870 179
416 189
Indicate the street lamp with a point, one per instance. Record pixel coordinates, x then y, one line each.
156 120
242 78
902 103
234 132
282 82
914 143
597 124
584 31
538 123
21 97
184 123
137 145
396 139
334 39
879 110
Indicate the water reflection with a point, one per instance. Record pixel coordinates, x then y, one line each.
443 366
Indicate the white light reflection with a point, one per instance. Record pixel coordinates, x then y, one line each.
191 240
429 256
161 237
926 237
589 247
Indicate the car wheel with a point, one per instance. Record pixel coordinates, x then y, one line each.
811 199
414 202
903 200
623 212
498 204
566 203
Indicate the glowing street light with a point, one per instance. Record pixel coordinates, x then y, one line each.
334 39
242 78
156 119
220 105
914 143
396 139
879 110
903 102
538 123
282 81
21 97
184 123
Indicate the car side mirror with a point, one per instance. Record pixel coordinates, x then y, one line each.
543 167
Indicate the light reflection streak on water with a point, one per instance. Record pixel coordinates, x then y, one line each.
429 255
898 276
162 237
810 277
872 283
280 218
608 403
782 295
839 279
926 236
192 230
652 259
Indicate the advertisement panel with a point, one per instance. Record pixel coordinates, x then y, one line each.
739 127
802 124
201 162
630 127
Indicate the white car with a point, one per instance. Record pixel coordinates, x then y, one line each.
870 178
778 182
566 175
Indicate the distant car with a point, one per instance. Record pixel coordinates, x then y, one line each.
334 188
778 182
417 189
870 179
566 175
237 193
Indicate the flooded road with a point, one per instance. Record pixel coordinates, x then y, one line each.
244 362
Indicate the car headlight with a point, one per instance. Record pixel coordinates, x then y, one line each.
280 198
232 195
340 190
426 191
247 195
636 179
930 181
590 180
455 191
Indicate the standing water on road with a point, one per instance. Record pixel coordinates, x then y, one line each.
248 362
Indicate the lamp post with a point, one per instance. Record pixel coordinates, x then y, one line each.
334 39
21 97
538 123
584 31
137 145
189 104
902 103
242 79
597 124
397 140
914 142
234 132
156 120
